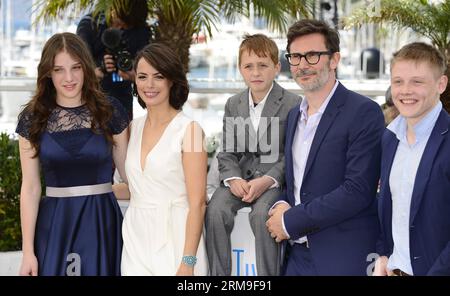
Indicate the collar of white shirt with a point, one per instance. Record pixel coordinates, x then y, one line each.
260 104
304 104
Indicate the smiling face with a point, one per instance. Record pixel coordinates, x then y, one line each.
152 86
313 77
67 77
258 72
416 87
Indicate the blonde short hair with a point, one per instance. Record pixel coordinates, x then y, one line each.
421 52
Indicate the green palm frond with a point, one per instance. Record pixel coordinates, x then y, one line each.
428 19
302 8
105 6
233 9
180 19
276 12
195 14
273 12
51 9
206 16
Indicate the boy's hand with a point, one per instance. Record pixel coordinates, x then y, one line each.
257 187
239 187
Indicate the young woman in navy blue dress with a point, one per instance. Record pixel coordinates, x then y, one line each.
71 133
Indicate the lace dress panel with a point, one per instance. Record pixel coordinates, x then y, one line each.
78 118
70 127
66 119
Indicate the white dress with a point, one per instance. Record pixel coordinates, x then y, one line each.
155 222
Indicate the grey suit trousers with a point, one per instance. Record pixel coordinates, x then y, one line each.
219 222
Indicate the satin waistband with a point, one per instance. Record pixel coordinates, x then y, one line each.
78 190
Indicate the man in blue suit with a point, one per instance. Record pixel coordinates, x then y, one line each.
414 205
332 153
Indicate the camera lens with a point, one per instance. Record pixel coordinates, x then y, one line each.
124 61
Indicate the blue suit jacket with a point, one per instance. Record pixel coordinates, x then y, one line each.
338 194
429 219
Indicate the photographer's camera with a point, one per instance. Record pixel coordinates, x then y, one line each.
112 39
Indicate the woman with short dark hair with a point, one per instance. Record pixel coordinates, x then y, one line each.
166 165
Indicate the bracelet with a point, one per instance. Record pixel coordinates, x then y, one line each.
189 260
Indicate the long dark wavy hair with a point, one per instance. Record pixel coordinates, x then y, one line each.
44 100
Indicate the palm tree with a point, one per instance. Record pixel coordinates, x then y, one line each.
178 20
430 19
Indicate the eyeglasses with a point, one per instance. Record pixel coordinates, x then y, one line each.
311 57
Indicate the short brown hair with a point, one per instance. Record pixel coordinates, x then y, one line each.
307 27
421 52
166 62
261 45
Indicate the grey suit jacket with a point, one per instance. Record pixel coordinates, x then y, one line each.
249 154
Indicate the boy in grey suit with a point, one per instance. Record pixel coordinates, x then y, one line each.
251 162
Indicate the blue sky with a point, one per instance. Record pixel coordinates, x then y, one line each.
21 11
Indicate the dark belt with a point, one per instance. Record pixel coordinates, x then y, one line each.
398 272
305 244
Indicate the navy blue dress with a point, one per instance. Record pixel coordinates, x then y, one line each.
78 235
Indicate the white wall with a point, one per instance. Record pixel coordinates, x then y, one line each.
10 263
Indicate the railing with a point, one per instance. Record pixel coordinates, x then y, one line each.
206 102
368 87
